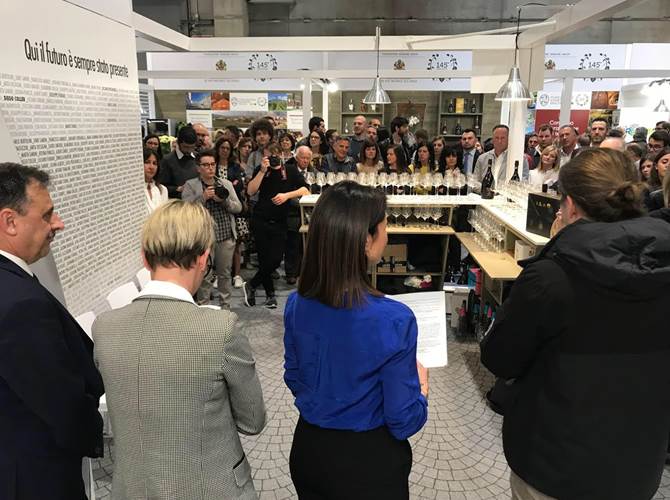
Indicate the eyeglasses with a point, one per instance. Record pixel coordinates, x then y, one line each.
208 165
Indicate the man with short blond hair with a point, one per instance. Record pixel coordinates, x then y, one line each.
181 379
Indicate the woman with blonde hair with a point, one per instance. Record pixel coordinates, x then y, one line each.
584 335
547 169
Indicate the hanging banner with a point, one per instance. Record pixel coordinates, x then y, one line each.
199 116
586 57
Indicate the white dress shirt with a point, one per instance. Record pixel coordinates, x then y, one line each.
18 261
159 195
538 177
166 289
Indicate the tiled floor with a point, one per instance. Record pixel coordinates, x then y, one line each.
457 455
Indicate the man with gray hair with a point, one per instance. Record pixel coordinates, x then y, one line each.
293 252
567 136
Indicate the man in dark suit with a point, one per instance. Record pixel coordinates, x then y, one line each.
468 150
49 386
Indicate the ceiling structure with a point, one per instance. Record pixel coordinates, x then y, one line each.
647 22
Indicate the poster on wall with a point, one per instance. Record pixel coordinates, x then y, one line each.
58 94
198 100
220 101
249 101
578 119
604 100
203 116
294 119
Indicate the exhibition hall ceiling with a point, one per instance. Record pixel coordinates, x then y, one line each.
649 21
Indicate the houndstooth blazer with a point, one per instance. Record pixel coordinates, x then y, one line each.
181 383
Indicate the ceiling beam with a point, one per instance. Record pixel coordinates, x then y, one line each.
574 18
157 33
331 74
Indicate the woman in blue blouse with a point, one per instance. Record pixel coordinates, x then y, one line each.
350 359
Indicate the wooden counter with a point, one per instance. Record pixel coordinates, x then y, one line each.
498 266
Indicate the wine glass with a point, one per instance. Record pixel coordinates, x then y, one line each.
393 182
320 181
353 176
309 180
407 214
340 176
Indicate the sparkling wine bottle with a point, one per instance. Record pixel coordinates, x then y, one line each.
487 182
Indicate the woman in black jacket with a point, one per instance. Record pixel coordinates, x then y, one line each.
584 333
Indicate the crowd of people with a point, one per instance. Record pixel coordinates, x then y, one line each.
580 340
262 210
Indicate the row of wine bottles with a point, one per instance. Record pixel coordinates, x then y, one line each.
488 181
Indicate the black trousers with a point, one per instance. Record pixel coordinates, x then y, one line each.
270 236
330 464
293 254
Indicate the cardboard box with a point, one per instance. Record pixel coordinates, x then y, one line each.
396 250
460 105
542 208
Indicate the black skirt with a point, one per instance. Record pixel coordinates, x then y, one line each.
329 464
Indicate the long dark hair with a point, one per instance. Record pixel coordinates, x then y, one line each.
400 159
431 156
450 151
323 148
367 143
335 267
148 153
232 158
159 151
655 181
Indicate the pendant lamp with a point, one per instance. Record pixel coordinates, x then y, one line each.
514 89
377 94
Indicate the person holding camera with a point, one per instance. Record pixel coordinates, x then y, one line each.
275 183
218 196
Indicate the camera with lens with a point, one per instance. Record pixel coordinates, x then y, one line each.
220 190
275 161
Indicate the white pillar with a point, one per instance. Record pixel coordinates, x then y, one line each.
566 101
306 104
324 105
517 135
504 113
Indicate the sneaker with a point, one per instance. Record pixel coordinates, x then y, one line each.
271 302
275 275
249 295
238 282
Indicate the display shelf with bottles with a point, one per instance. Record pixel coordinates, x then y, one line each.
352 105
459 111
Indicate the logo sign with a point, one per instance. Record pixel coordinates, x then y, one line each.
221 65
442 62
251 101
594 61
262 62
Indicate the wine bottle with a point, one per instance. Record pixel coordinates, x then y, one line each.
487 182
346 127
451 107
473 106
515 175
445 130
458 130
476 126
351 104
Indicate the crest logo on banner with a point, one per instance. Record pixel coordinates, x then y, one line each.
442 61
262 62
221 65
399 64
594 61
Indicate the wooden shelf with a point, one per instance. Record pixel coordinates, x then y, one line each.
408 273
437 230
460 114
498 266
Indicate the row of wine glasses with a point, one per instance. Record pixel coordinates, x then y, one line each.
452 183
488 232
516 193
418 217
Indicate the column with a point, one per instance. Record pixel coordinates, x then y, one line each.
231 18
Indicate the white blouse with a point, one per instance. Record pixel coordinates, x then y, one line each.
159 195
538 177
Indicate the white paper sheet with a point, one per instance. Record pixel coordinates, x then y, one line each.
431 319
